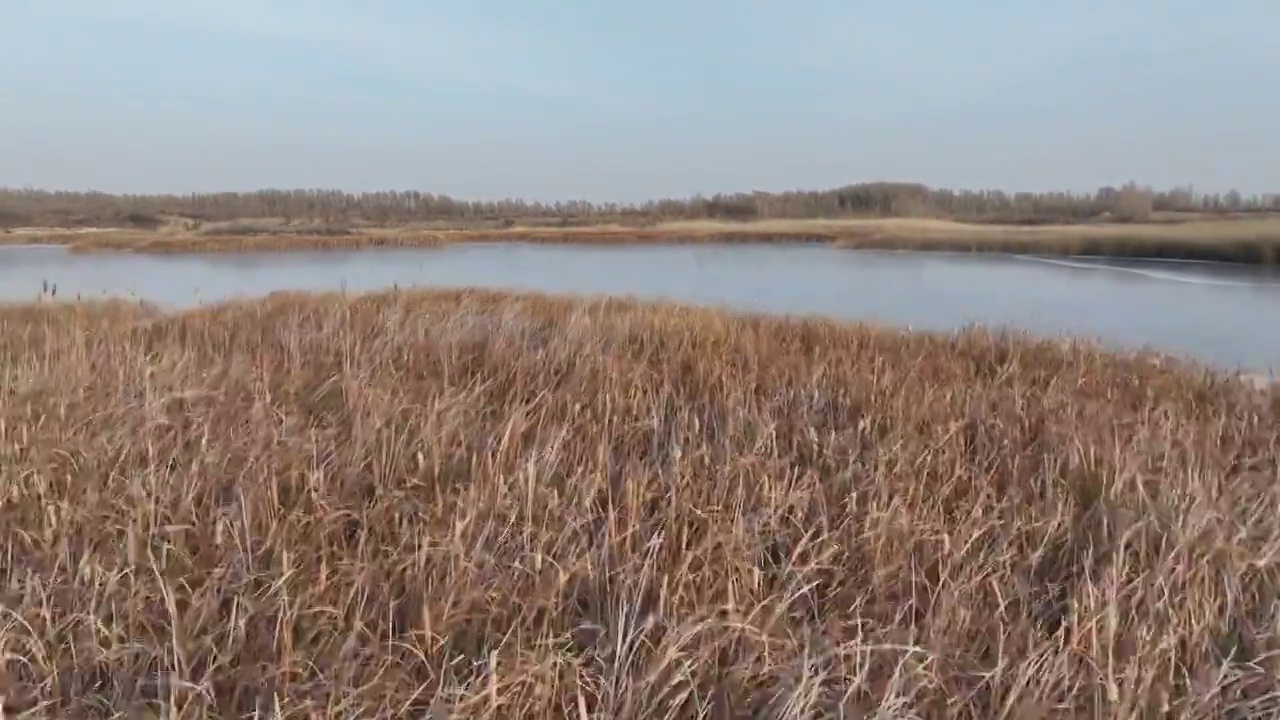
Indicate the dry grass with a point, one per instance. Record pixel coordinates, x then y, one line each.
201 243
521 507
270 226
1250 240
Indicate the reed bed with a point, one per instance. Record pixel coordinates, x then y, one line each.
386 237
214 243
476 505
1247 241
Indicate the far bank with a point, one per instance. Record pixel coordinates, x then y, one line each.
1252 241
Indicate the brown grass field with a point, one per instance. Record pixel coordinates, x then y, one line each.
468 504
1241 240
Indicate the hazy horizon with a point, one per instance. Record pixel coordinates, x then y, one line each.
498 99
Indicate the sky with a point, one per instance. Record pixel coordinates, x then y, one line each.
607 100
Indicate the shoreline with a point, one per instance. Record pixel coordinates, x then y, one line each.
1252 378
1242 241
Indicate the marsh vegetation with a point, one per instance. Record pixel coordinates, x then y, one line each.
1246 240
1129 221
519 506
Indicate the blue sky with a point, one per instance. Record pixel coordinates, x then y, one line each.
608 100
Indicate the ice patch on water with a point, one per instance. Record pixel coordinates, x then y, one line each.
1146 272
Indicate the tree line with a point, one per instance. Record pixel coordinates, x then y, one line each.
1130 202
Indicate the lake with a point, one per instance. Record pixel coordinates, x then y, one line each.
1221 314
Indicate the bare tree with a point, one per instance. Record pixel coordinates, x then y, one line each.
1131 202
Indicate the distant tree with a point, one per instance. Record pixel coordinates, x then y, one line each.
1133 203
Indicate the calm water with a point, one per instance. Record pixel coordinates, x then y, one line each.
1225 315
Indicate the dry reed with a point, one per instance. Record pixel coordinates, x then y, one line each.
1248 241
160 244
480 505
